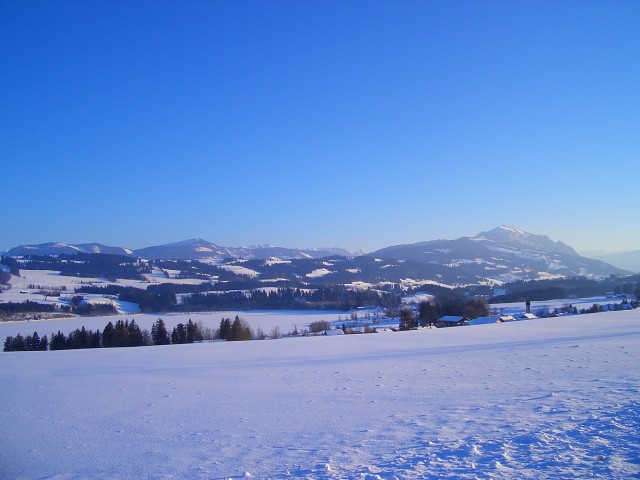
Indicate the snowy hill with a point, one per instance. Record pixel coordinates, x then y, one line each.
56 248
553 398
506 235
199 249
192 249
501 255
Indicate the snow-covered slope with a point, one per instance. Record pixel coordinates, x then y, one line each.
555 398
505 234
503 254
199 249
56 248
192 249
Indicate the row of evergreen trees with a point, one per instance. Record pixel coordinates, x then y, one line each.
286 298
30 343
162 298
125 333
90 265
28 306
236 331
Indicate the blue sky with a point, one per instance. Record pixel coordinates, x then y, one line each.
359 124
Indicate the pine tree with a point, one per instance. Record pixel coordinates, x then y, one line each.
34 344
427 314
159 333
94 339
121 333
179 334
225 332
407 321
194 332
241 330
108 336
58 341
19 344
8 344
79 338
135 334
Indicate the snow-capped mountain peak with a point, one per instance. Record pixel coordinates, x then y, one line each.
507 231
505 234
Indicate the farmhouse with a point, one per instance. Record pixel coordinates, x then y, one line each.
333 333
451 321
483 320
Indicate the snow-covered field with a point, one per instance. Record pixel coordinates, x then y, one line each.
544 398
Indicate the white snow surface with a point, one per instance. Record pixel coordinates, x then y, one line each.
319 272
240 270
545 398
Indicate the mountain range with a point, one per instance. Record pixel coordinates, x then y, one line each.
625 260
192 249
503 254
492 257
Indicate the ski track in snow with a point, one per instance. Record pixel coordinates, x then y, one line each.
554 398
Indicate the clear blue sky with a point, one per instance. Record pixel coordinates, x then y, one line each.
359 124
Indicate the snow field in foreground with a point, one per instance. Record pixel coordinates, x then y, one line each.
550 398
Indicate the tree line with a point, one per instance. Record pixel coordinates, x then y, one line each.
12 265
125 333
90 265
336 297
162 298
27 306
146 299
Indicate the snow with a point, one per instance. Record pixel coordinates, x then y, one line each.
411 283
158 276
319 272
52 280
418 298
456 262
550 276
240 270
276 261
360 285
546 398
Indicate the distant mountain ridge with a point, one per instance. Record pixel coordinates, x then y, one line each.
627 260
503 254
191 249
199 249
514 236
57 248
493 257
